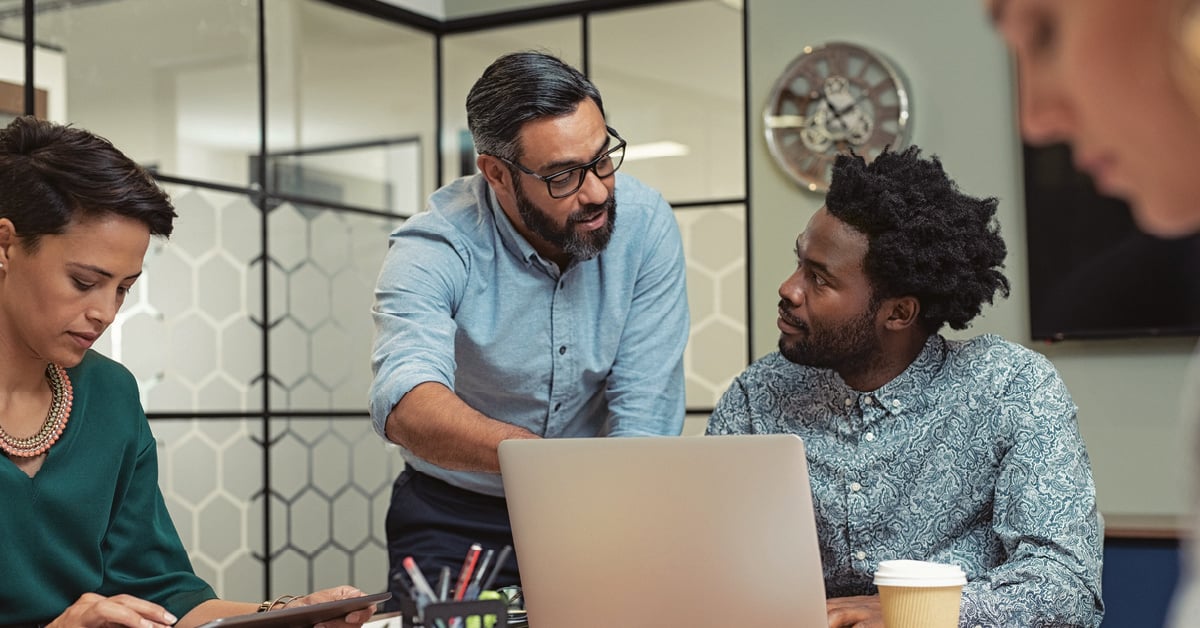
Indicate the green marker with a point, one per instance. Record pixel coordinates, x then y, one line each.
489 621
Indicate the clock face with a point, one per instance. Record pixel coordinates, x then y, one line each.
834 99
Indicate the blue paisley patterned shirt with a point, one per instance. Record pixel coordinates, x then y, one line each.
971 456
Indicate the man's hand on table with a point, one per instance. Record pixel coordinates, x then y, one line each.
861 611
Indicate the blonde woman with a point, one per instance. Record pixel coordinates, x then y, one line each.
1120 82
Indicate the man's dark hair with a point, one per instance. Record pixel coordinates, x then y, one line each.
926 239
521 87
51 174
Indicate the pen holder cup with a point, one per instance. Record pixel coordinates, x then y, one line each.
464 614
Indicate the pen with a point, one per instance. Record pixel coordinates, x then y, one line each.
501 557
464 576
473 588
419 581
398 578
444 584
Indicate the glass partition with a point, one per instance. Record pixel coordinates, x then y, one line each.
675 94
210 472
330 491
49 83
384 174
714 249
466 56
180 96
322 273
351 107
12 20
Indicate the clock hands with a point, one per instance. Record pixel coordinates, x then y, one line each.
790 121
839 112
853 125
855 128
831 117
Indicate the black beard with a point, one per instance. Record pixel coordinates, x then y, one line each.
846 349
579 245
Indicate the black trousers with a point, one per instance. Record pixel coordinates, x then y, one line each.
435 523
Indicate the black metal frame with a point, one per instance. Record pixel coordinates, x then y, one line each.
263 198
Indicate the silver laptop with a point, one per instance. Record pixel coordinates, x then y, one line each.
662 532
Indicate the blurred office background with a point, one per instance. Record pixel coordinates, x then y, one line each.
295 134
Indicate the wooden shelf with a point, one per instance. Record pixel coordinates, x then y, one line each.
1123 526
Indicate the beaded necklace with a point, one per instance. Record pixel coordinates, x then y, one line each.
56 419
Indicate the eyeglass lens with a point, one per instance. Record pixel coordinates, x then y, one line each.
568 182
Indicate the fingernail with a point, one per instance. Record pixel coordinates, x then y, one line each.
170 618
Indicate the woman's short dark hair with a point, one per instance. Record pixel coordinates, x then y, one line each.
52 174
521 87
926 239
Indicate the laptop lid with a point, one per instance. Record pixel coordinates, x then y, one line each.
664 531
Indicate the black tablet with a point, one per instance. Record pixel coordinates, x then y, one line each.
299 616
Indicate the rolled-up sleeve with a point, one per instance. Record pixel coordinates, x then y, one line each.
416 295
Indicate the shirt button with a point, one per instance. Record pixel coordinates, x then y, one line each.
557 406
870 436
562 349
855 486
848 402
861 555
895 403
867 400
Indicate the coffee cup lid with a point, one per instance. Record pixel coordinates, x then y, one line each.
918 573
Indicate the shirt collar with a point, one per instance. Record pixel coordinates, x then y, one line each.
906 391
512 239
515 242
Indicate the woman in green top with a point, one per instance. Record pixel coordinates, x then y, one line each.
87 540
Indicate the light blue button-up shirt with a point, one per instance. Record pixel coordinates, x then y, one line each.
595 350
971 456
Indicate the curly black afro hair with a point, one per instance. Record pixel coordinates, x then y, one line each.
926 239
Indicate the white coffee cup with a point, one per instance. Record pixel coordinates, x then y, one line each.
919 594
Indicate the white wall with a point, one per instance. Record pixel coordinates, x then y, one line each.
963 111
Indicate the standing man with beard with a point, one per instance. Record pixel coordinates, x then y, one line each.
520 306
919 447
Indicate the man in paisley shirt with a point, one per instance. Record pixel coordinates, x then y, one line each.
922 447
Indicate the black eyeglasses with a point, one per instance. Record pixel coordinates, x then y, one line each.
567 182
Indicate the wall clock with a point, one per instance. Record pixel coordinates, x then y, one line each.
832 99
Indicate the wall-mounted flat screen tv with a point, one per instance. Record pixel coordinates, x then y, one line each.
1092 273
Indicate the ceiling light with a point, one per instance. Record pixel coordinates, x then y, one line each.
651 150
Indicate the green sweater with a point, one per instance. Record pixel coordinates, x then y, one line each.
92 518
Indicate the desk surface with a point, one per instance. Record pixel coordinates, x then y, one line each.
384 620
